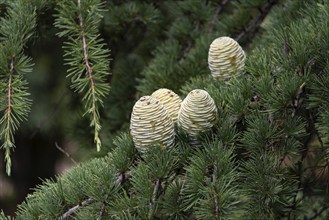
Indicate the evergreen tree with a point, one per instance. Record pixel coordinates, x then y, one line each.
265 157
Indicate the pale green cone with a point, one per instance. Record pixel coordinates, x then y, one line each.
226 58
150 124
198 112
170 100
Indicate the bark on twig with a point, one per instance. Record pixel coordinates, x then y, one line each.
154 197
217 209
8 142
66 153
75 208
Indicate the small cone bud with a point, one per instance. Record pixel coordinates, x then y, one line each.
170 100
226 58
198 112
150 124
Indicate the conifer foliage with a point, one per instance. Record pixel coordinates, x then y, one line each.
86 55
15 29
263 152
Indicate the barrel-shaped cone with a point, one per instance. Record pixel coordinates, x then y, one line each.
150 124
198 112
226 58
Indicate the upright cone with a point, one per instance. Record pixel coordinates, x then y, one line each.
226 58
170 100
150 124
198 112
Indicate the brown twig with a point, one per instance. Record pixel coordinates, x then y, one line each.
102 211
122 178
9 94
8 136
217 209
66 153
254 25
154 197
75 208
297 102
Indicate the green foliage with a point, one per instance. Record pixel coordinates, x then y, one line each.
210 189
86 55
267 156
268 187
125 155
59 197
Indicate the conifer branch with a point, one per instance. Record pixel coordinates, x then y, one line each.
16 108
89 72
254 25
15 29
89 201
87 57
11 71
8 137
